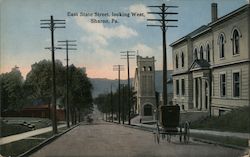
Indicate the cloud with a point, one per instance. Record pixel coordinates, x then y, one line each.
144 50
120 31
141 8
96 41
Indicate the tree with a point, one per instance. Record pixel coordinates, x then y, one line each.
38 84
11 90
80 92
103 101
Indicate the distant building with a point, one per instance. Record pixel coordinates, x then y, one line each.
144 85
212 64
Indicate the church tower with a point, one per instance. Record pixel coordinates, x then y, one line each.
145 88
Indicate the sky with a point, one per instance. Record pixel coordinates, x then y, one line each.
22 41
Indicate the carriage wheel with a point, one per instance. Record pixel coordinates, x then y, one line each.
157 134
180 134
186 132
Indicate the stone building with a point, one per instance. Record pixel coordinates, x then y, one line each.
144 85
212 64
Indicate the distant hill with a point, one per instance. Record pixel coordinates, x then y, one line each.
159 78
102 85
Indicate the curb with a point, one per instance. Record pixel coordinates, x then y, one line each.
194 138
45 142
218 143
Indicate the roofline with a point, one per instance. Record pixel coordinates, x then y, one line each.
212 24
242 8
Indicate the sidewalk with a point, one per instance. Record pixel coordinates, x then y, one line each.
209 132
218 133
17 137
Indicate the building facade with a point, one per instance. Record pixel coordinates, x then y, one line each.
144 86
212 64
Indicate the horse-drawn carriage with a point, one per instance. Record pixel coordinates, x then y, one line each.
169 125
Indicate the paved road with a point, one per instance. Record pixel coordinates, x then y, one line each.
112 140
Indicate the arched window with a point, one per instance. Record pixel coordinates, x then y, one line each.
236 42
195 54
222 45
143 68
201 53
182 59
208 53
176 61
149 68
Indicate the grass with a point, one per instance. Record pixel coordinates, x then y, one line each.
237 120
14 125
223 140
11 129
19 147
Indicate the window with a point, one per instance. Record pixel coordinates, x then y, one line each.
149 68
236 84
222 45
176 61
143 68
182 86
182 59
201 53
147 110
195 54
223 85
208 53
177 87
236 42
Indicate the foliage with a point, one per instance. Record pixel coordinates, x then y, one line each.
38 84
237 120
80 91
37 88
11 90
103 101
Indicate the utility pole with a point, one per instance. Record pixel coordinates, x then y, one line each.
119 68
123 95
128 55
163 24
67 46
52 24
111 103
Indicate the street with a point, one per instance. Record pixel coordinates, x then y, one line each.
108 139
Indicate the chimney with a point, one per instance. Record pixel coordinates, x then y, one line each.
214 12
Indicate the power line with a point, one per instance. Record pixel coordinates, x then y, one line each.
163 24
119 68
129 55
67 46
52 24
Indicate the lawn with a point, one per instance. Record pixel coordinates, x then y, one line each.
237 120
15 125
19 147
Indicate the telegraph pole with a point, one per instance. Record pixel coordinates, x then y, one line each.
67 44
119 68
163 14
128 55
111 103
52 24
123 95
